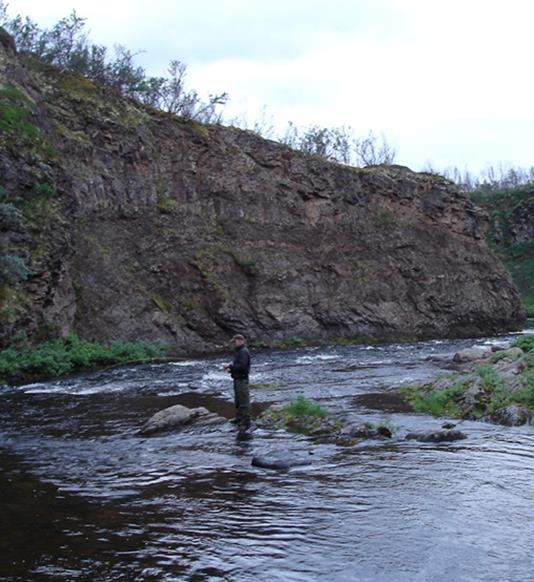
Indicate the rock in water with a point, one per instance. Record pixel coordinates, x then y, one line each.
179 416
471 354
436 436
512 415
280 463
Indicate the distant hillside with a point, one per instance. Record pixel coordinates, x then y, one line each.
511 234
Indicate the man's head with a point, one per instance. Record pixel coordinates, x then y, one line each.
238 340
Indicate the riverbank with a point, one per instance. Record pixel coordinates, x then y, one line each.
490 386
22 363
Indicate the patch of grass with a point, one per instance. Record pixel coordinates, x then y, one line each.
436 402
166 205
301 406
525 395
495 394
302 416
77 86
189 303
525 342
385 217
14 117
59 357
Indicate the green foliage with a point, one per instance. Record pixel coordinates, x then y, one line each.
66 46
301 406
302 416
20 363
12 269
525 342
14 117
44 190
525 395
436 402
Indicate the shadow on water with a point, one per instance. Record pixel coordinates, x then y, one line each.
85 497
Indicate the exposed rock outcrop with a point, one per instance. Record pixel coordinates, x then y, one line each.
177 417
133 223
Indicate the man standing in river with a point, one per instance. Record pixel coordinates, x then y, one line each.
240 369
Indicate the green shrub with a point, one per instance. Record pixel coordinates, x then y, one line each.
63 356
301 406
525 342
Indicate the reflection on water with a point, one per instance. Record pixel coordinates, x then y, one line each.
83 496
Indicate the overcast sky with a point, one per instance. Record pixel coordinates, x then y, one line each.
447 81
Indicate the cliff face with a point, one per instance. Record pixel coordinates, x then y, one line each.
133 223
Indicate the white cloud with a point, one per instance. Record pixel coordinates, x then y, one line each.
447 81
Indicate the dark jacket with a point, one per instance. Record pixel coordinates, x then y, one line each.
240 367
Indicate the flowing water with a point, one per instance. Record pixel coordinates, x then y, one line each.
83 496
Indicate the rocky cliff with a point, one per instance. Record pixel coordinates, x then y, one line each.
132 223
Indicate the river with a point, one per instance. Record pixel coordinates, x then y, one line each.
83 496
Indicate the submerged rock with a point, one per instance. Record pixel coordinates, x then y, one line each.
179 416
365 431
436 436
280 463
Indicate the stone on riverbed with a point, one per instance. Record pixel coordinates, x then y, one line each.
279 462
436 436
512 415
178 416
471 354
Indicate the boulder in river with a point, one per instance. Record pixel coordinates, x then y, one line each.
280 462
436 436
179 416
365 431
512 415
471 354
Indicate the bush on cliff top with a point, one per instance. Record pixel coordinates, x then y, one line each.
63 356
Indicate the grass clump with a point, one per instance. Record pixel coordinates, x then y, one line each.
301 406
56 358
302 416
436 402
